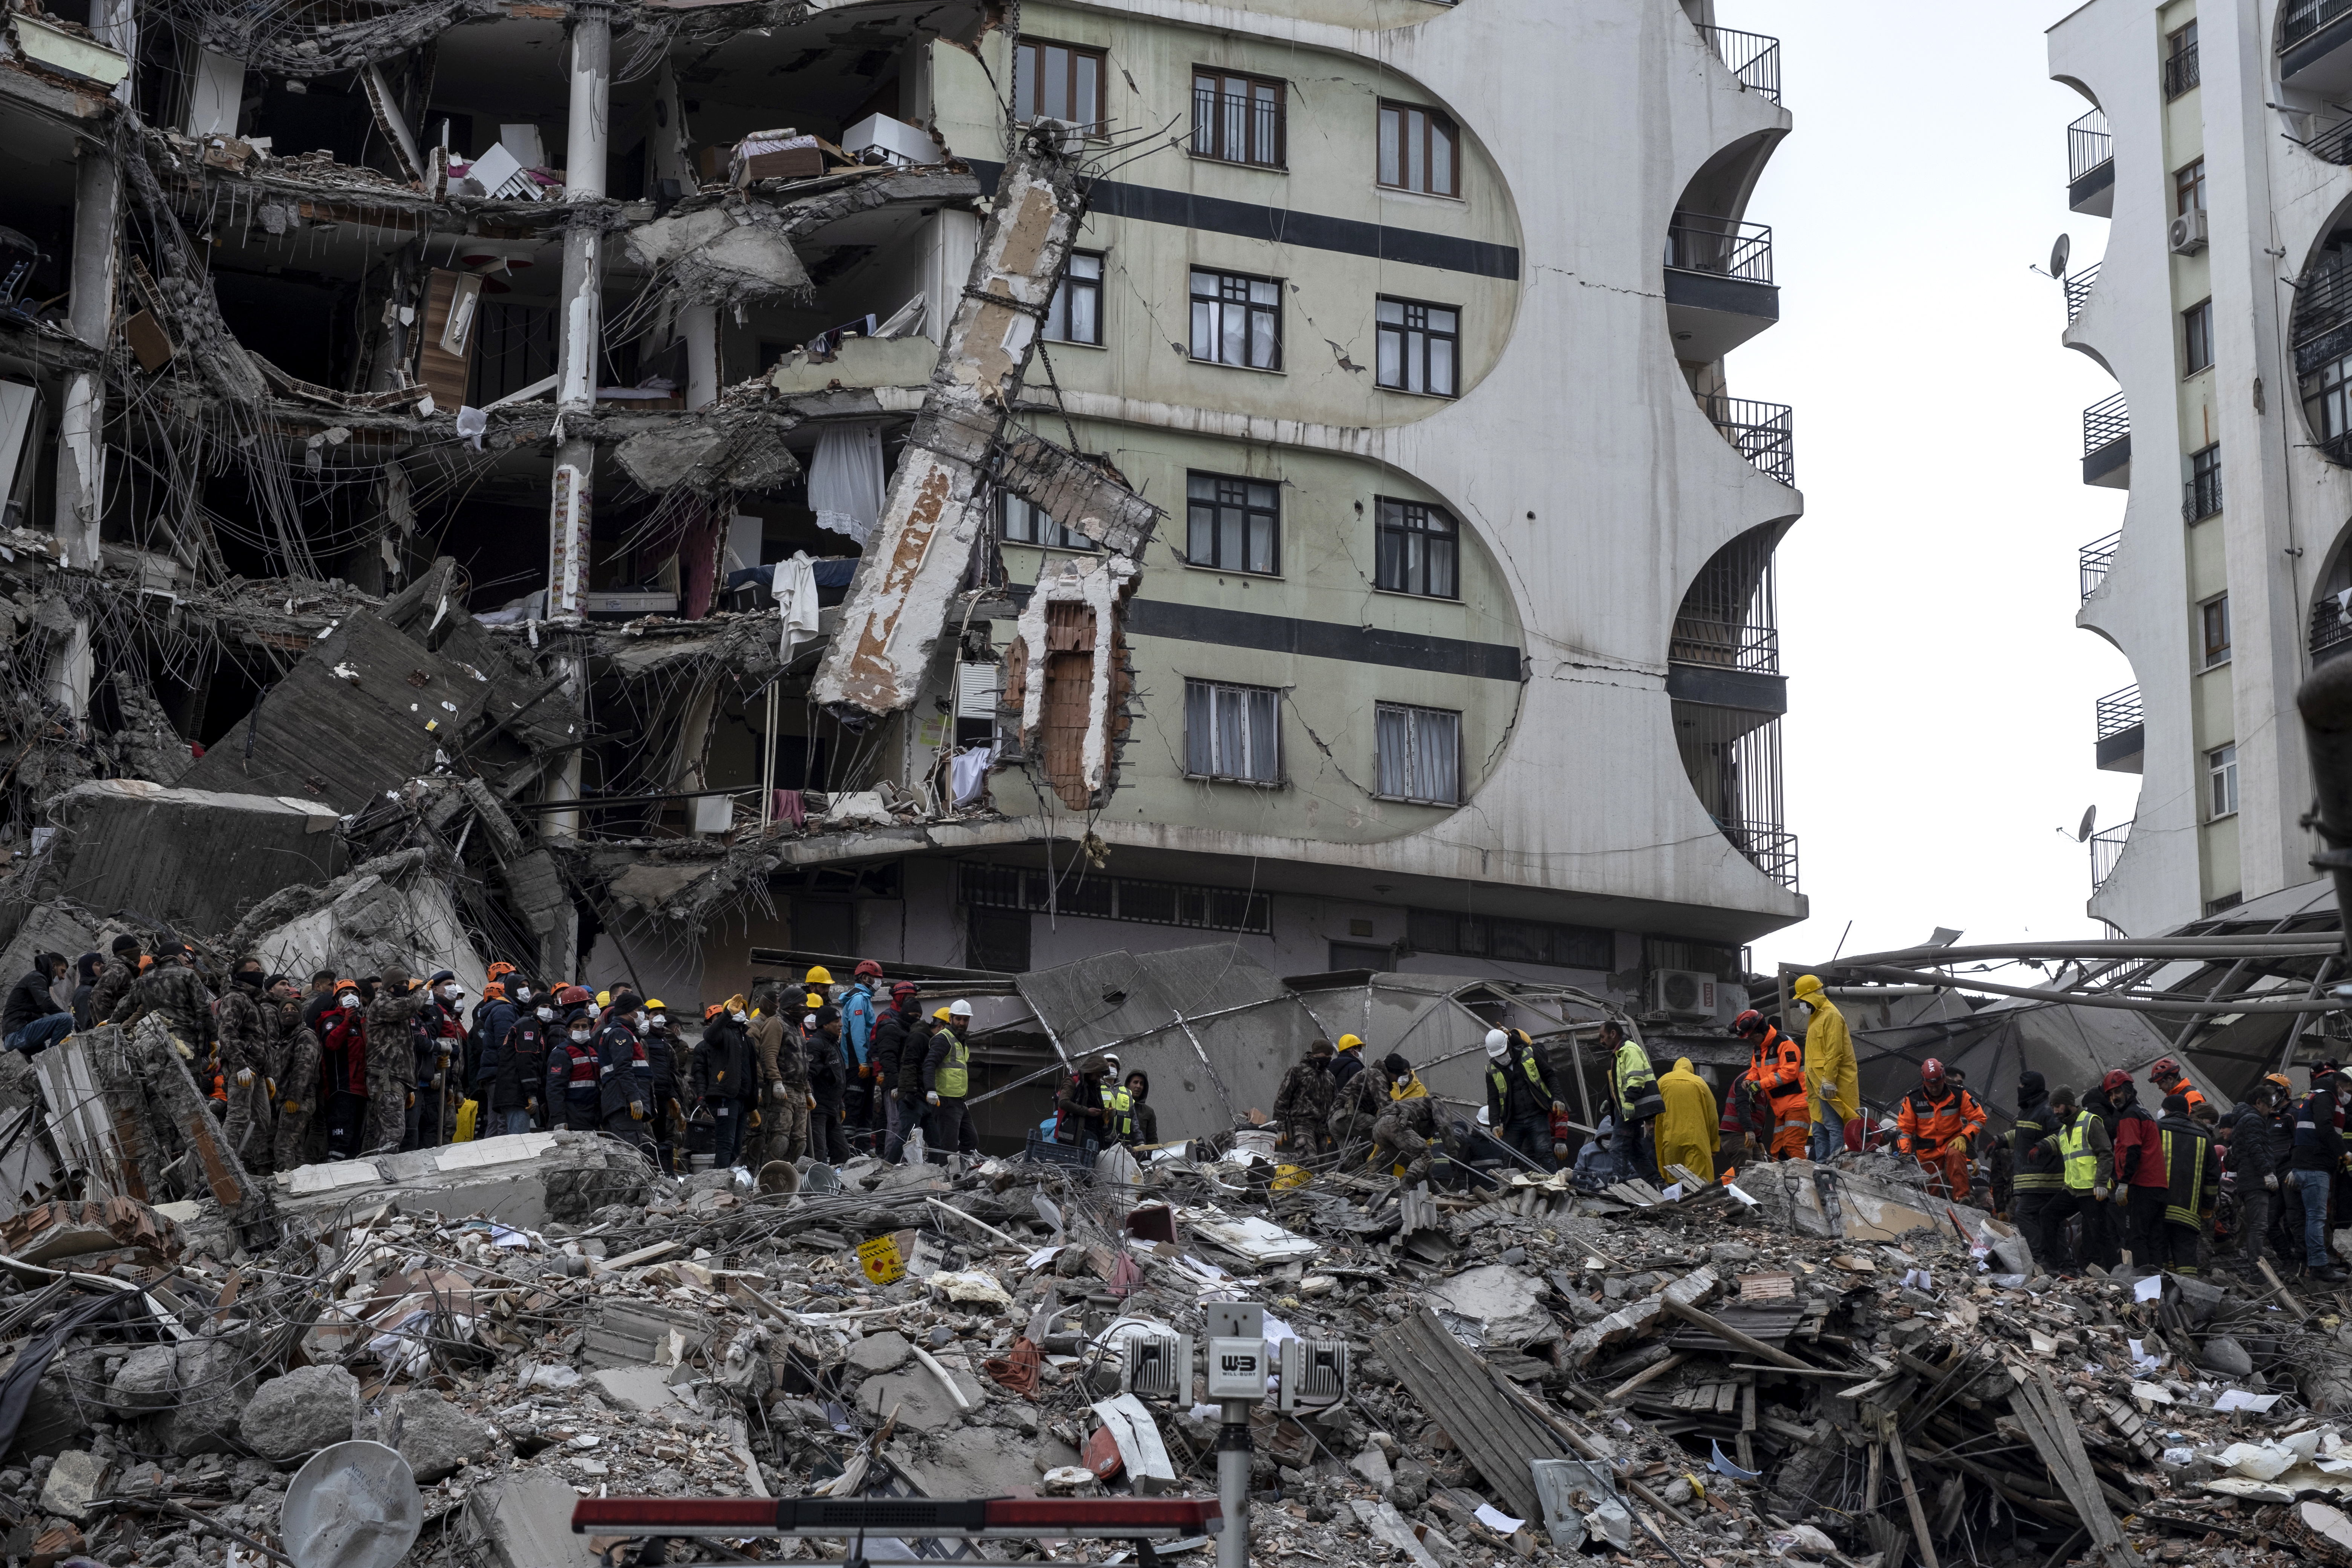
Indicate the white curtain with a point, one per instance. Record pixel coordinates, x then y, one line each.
845 482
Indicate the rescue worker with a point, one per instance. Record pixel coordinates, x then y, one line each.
2086 1157
2317 1155
517 1086
1596 1163
1114 1100
344 1076
1687 1133
175 992
1302 1106
115 978
828 1086
947 1078
496 1014
667 1127
2193 1187
245 1042
2170 1081
296 1061
1142 1118
783 1115
625 1101
861 1011
1746 1127
2102 1230
1080 1118
1936 1125
886 1051
1634 1099
1520 1100
1776 1066
725 1082
1347 1059
441 1071
2037 1172
2142 1183
1408 1131
86 970
391 1060
2253 1157
1833 1080
1359 1102
573 1069
34 1019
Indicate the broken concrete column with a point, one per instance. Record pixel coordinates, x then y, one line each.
310 1409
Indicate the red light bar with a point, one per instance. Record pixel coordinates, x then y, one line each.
970 1519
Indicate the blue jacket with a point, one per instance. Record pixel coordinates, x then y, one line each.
857 1023
491 1022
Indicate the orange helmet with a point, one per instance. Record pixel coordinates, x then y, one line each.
572 996
1752 1022
713 1011
494 991
501 967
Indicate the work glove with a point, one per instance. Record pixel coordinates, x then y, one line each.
446 1048
636 1110
245 1077
777 1088
2122 1195
1961 1144
411 1099
933 1097
2098 1195
1557 1108
291 1109
2270 1182
812 1102
755 1119
437 1079
530 1105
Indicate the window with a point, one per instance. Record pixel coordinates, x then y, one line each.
2180 61
1088 892
2213 621
1515 941
1025 523
1420 755
2222 781
2197 337
1237 118
1232 525
1074 315
2189 188
1418 547
998 940
1417 151
2204 491
1232 732
1237 320
2328 400
1058 81
1417 344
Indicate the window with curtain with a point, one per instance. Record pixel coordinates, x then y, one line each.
1420 755
1417 151
1059 82
1417 551
1232 732
1075 313
1237 320
1232 524
1417 346
1236 119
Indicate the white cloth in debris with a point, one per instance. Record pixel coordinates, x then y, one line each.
794 586
967 774
471 423
845 482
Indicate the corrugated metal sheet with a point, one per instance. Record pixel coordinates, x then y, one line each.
1494 1431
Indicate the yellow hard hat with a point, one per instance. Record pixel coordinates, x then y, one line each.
656 1006
1350 1042
604 998
814 1000
817 977
1806 985
940 1013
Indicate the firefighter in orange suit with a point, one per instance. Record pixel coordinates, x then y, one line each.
1776 1064
1939 1124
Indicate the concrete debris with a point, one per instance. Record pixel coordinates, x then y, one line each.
294 1416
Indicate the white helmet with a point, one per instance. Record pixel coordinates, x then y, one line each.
958 1009
1484 1121
1498 1044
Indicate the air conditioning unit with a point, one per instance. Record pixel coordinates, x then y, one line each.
1157 1366
2188 232
1683 993
1314 1373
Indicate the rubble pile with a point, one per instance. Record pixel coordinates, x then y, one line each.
1535 1373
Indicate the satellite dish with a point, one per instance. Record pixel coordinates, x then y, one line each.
2090 815
353 1506
2058 254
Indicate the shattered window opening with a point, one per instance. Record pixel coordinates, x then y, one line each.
1420 546
1025 522
1075 313
1419 346
1232 732
1417 151
1237 118
1066 85
1232 524
1513 941
1098 897
1237 320
1420 755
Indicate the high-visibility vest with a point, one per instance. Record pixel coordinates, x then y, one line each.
1121 1106
953 1080
1502 1085
2082 1160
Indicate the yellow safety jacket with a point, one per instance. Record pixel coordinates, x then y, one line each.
2074 1141
953 1081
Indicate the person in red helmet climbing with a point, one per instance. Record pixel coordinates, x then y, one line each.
2169 1080
1939 1124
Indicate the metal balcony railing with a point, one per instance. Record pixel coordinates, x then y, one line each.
1754 59
1771 850
2089 143
2323 299
2181 71
2331 630
2078 287
2107 849
2333 145
1722 246
2092 562
2301 18
2117 711
2201 496
1765 433
2105 422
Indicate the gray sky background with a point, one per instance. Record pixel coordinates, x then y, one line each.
1940 697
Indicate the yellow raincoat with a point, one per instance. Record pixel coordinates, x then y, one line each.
1689 1134
1829 1070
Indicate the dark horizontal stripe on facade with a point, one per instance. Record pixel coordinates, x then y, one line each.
1323 639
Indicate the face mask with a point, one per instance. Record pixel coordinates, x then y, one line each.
579 1036
522 994
640 1019
738 1016
349 1000
547 1015
657 1025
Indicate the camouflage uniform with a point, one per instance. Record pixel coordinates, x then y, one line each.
298 1079
246 1045
784 1129
112 981
1361 1103
1303 1105
1408 1127
390 1063
178 992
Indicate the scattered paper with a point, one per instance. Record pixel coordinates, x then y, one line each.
2152 1391
2234 1399
2149 1288
1733 1188
2142 1361
1496 1519
1919 1280
1041 1257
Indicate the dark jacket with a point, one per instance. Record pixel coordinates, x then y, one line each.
1140 1113
828 1077
912 1053
1345 1065
2039 1167
1305 1092
623 1069
661 1061
28 1001
1079 1115
2255 1147
2318 1144
890 1032
491 1021
2193 1174
519 1063
1515 1098
725 1066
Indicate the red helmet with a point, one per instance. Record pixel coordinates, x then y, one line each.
867 967
2115 1079
1752 1022
2166 1068
903 989
1931 1071
572 996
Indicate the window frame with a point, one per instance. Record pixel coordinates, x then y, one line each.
1414 716
2222 781
1405 332
1406 533
2189 188
1277 159
2213 656
1432 118
1100 125
1250 510
1219 693
2203 494
1217 304
2196 337
1057 308
1007 500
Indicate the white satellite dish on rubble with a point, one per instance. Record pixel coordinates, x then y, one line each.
353 1505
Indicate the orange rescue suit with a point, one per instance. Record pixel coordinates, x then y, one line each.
1778 1066
1939 1126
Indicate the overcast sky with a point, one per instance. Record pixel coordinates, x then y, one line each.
1939 730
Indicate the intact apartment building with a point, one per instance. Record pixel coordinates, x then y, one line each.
2216 147
1453 648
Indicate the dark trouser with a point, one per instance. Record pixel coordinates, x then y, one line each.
2180 1242
580 1112
909 1116
41 1034
859 1105
2032 1213
2101 1232
947 1126
828 1141
629 1130
2145 1215
2312 1187
728 1121
346 1114
1531 1135
434 1117
2253 1219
